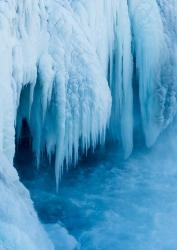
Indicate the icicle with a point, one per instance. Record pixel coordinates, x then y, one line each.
120 80
150 55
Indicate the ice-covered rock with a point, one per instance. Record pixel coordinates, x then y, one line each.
19 224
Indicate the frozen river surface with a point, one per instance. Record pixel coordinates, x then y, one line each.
109 204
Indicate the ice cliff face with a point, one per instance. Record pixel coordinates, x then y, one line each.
69 68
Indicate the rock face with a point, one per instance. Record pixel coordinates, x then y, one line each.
70 69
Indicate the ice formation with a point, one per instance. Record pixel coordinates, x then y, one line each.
68 68
19 225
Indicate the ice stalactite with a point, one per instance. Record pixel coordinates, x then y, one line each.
150 52
107 25
56 80
120 80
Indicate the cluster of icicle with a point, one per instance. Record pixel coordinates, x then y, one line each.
68 67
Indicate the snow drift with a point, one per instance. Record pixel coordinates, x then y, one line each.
68 68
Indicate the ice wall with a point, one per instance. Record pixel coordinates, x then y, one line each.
67 103
19 225
64 60
153 32
50 75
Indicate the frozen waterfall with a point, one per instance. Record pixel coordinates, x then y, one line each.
63 60
69 68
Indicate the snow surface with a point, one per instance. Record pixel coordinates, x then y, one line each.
68 68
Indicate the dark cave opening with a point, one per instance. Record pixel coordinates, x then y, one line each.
24 159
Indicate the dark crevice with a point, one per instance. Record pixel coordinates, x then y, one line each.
24 159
